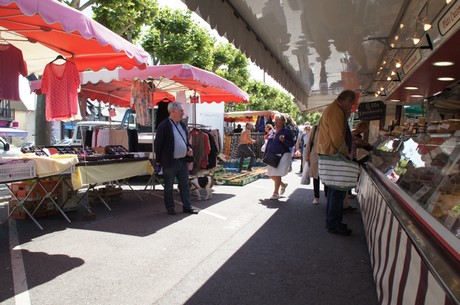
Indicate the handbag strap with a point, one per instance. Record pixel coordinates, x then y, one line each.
186 144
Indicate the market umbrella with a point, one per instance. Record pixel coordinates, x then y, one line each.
251 115
116 93
183 77
43 29
202 85
115 86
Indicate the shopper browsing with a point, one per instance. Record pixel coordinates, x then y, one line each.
245 148
171 149
279 143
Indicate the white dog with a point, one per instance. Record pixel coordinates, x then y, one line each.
199 183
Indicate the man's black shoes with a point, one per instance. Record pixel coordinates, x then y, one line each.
341 230
349 209
190 211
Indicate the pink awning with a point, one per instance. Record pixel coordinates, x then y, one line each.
42 29
166 80
182 77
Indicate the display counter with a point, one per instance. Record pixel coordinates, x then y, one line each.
426 168
409 201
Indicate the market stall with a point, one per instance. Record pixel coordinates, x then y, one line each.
408 195
259 119
140 89
43 29
40 180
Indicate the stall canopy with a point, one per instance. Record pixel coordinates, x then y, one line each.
117 92
115 86
251 116
12 132
43 29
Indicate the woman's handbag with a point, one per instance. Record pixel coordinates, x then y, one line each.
338 172
271 159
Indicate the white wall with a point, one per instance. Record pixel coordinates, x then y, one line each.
212 116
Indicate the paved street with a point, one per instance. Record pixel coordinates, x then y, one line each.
242 248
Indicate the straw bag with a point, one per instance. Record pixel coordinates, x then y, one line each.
338 172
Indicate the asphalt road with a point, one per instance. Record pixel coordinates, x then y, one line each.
242 248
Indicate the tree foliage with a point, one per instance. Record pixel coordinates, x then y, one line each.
176 38
77 4
124 17
172 36
312 117
230 63
265 97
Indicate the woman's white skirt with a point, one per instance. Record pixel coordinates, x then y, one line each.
283 167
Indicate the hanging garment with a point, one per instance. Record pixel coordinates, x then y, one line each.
140 101
162 112
214 151
103 137
133 137
60 83
11 64
119 137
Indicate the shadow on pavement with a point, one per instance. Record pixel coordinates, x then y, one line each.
291 259
51 266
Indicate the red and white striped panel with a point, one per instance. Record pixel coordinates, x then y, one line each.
400 275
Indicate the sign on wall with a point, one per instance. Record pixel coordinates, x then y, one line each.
372 110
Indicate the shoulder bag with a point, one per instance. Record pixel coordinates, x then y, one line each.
271 159
337 171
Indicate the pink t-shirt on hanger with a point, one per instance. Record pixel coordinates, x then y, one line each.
60 83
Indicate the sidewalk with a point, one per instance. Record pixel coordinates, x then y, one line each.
242 248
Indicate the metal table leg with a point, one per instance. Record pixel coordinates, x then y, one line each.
21 204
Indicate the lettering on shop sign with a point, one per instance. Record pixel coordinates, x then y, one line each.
372 110
414 58
449 19
391 86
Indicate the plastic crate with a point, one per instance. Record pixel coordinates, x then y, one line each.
17 170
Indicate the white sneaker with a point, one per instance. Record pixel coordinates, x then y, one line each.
315 201
283 188
275 197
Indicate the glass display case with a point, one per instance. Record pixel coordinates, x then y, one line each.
427 168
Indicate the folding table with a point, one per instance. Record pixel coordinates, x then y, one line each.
36 169
93 173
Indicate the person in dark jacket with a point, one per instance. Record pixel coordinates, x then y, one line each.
279 143
171 151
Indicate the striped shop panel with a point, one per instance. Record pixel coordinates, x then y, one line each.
400 275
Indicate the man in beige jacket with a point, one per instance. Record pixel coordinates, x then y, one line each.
333 133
